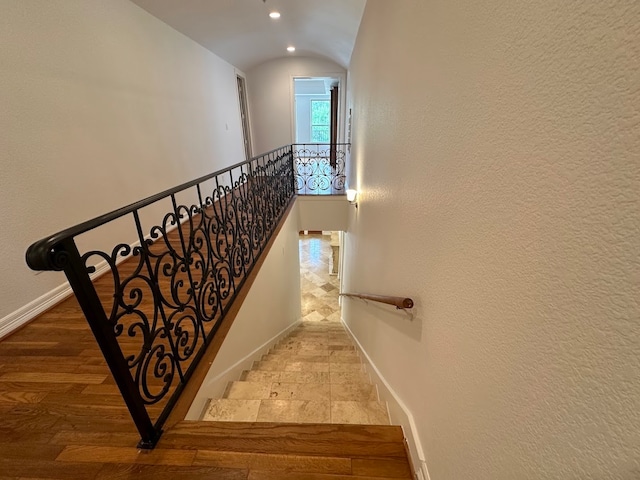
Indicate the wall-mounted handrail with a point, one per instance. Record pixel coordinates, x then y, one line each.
401 303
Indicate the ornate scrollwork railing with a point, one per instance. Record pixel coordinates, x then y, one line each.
161 301
319 168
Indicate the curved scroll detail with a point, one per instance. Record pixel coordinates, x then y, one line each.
166 300
46 254
320 169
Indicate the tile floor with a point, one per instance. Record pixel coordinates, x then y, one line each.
314 375
319 289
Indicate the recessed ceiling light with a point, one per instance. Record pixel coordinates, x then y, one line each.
274 14
291 49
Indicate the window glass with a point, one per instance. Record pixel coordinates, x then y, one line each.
320 114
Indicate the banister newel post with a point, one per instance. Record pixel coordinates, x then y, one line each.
102 329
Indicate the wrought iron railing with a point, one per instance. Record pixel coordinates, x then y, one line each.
154 313
158 303
320 168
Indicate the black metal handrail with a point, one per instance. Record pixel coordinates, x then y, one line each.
154 314
38 255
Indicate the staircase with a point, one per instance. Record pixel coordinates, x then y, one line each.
306 410
314 375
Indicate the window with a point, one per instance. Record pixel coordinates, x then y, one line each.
320 121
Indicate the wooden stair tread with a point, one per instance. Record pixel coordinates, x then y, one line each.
289 438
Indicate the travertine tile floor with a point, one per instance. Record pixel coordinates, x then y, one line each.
315 375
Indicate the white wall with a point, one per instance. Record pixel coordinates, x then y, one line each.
496 150
270 88
102 104
271 307
323 212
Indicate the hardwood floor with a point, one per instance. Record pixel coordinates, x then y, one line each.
61 417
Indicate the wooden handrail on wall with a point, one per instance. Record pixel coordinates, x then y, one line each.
400 303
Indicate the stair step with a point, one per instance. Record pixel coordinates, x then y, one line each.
348 376
243 390
288 356
279 376
293 365
337 373
311 345
347 367
360 413
311 356
315 342
316 408
231 410
349 399
270 365
312 340
276 390
303 363
289 438
358 392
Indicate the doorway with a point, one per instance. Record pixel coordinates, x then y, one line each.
319 280
316 109
244 116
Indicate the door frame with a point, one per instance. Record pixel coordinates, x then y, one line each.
342 100
243 105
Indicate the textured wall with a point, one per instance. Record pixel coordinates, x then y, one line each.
270 88
321 212
497 154
101 105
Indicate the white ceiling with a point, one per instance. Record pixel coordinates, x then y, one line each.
241 32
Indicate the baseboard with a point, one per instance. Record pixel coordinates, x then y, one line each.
31 310
215 387
398 412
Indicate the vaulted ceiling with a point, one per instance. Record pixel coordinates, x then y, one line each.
241 32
